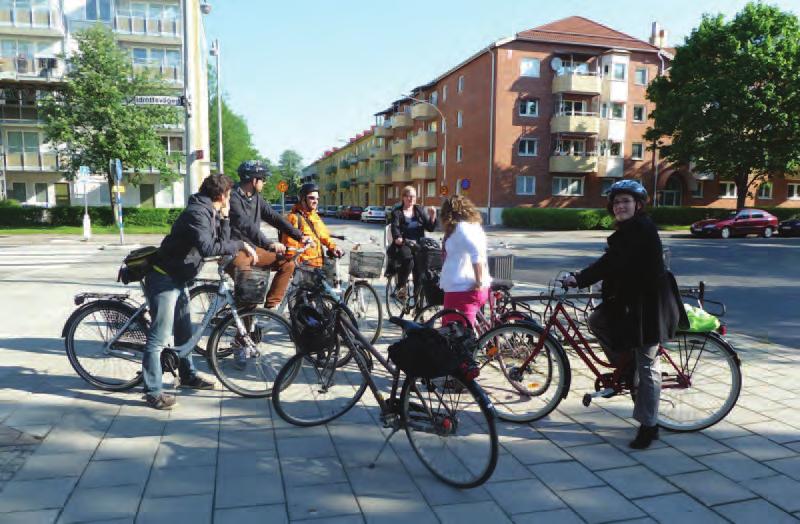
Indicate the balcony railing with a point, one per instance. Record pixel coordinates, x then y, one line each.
44 69
379 154
583 83
401 147
401 120
586 163
168 73
31 18
144 26
420 111
383 131
382 178
423 171
610 167
575 122
33 161
424 140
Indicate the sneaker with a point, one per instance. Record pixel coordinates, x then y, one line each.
162 401
197 382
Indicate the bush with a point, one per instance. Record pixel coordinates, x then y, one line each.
73 216
10 202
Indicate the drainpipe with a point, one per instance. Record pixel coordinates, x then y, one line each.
491 139
655 149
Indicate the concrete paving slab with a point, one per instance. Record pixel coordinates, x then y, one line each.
755 512
736 466
694 444
321 501
109 473
788 466
780 490
23 495
249 490
667 461
523 496
760 448
601 504
476 511
678 507
307 472
274 514
194 508
47 516
44 466
536 452
710 487
177 482
560 476
601 456
105 503
556 516
636 482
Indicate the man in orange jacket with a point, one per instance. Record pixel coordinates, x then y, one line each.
304 217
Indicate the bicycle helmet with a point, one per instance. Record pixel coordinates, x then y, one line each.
305 189
250 169
630 187
310 331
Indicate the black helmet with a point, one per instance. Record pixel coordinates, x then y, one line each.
630 187
305 189
310 332
250 169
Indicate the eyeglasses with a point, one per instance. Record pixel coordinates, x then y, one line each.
312 198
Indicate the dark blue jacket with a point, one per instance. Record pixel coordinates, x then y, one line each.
247 212
197 233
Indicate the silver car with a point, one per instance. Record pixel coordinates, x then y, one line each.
373 214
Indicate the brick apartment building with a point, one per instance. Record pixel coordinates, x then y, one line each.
550 118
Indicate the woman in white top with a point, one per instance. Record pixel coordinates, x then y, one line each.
465 275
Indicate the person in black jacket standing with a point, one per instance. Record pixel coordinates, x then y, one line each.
641 307
202 230
248 210
409 222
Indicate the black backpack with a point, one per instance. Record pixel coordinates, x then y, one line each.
430 353
137 264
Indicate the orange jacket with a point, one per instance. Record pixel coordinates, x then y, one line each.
319 233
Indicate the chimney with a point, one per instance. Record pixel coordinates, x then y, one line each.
658 36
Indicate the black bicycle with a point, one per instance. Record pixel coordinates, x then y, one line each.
413 298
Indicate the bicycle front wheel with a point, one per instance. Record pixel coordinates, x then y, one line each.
362 300
113 366
521 388
451 428
246 371
397 306
701 381
313 389
200 299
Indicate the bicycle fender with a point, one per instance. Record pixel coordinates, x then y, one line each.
77 311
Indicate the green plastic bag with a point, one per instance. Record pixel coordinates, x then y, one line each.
700 320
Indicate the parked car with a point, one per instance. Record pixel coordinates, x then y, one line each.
352 212
279 208
330 211
341 211
738 223
790 227
373 214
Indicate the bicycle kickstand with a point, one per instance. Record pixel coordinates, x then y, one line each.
383 447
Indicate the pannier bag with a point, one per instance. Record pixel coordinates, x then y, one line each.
700 320
434 295
137 264
432 353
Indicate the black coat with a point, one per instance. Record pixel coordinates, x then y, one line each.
400 223
640 296
197 233
247 212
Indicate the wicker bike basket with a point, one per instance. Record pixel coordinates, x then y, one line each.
251 286
366 264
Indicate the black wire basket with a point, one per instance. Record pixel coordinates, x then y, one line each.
251 286
366 264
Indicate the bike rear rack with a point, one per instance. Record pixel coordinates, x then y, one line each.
80 298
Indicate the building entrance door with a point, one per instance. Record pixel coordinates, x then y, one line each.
147 195
62 194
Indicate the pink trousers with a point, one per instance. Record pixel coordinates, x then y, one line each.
468 302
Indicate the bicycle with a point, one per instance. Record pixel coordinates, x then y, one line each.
526 372
416 301
105 339
449 421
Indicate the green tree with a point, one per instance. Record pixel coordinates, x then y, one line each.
290 165
91 117
730 103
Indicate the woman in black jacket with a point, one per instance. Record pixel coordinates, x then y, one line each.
641 307
409 222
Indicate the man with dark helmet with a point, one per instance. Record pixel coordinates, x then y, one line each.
305 217
248 210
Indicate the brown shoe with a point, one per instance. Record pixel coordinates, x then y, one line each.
197 382
162 401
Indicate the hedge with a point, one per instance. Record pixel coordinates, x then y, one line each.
574 219
73 216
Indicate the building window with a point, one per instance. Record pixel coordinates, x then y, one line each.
567 186
637 151
619 71
529 107
573 147
526 185
460 85
430 189
794 192
640 76
18 192
459 119
697 191
444 93
615 149
727 189
617 110
605 186
98 10
459 154
434 98
572 107
529 67
765 191
528 147
638 113
603 110
41 192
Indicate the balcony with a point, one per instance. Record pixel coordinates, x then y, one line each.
573 164
169 73
585 84
423 171
22 68
364 156
366 178
420 111
581 123
401 147
330 186
30 21
383 131
402 120
424 140
32 161
330 170
382 178
379 154
344 184
147 30
401 174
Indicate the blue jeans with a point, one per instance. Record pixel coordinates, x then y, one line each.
169 311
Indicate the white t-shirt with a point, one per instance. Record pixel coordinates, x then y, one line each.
465 247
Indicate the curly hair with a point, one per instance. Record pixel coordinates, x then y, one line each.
214 186
457 209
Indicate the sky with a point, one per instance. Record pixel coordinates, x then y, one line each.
309 74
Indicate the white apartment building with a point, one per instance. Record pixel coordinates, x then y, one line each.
33 33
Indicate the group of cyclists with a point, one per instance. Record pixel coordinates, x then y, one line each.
641 307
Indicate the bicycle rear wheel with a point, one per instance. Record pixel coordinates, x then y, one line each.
313 389
362 300
396 306
701 381
451 428
521 393
113 367
246 373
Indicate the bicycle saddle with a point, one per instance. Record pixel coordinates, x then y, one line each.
498 284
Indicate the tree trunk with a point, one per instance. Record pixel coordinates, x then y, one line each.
742 184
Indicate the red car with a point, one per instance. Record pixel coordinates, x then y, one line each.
352 212
738 223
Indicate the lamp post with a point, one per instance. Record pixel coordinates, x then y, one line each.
444 134
215 52
189 185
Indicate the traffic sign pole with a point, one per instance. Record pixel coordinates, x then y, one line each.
283 186
83 178
117 168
